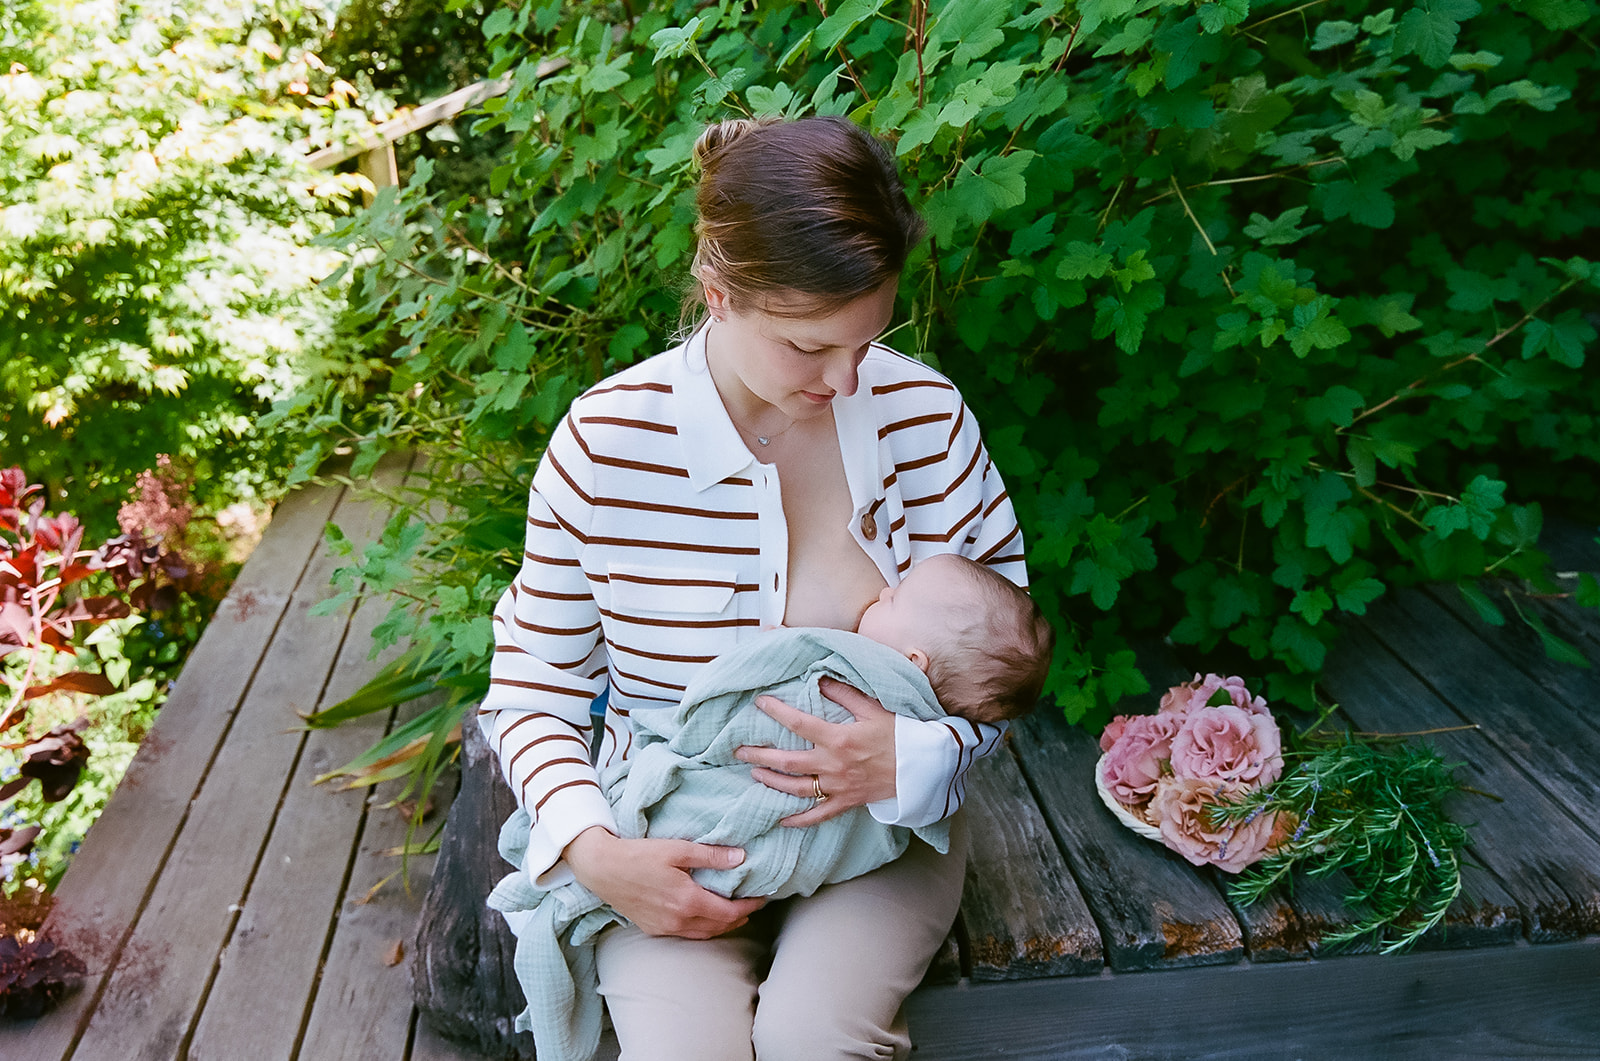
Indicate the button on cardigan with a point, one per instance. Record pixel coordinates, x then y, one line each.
656 542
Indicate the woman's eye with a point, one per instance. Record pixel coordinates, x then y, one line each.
802 350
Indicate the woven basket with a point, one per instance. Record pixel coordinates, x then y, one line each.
1123 814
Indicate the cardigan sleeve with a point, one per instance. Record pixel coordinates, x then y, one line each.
549 664
958 504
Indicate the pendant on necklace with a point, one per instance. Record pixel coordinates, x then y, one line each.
764 441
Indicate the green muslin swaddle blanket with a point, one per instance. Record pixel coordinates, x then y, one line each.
684 782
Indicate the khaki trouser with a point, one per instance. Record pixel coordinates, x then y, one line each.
808 979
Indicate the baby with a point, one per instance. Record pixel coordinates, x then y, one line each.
980 639
953 638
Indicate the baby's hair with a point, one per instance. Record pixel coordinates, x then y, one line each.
813 207
994 666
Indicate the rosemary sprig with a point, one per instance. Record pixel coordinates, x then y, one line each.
1375 812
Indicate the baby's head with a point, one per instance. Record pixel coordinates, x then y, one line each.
982 641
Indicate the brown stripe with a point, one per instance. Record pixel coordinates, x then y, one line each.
989 556
1004 494
916 421
556 631
572 484
540 805
920 462
675 510
659 388
934 499
955 428
569 760
619 462
890 388
950 790
541 524
714 583
951 533
680 547
532 716
512 683
572 529
552 561
512 765
543 594
664 657
620 421
641 679
679 624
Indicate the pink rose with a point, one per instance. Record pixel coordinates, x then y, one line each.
1113 732
1228 744
1180 807
1133 764
1195 694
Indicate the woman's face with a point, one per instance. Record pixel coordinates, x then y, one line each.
794 364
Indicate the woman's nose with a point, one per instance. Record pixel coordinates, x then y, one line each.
841 375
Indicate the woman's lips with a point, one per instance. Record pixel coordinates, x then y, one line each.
819 399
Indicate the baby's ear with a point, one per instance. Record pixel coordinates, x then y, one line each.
920 658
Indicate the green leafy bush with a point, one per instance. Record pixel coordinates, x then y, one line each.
158 282
1264 308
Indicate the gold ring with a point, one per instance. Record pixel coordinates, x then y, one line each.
816 786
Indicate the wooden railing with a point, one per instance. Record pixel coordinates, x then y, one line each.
375 152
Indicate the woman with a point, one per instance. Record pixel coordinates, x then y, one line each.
779 467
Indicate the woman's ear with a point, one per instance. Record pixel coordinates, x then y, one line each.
716 294
920 658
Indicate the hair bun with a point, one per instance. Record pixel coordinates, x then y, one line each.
719 135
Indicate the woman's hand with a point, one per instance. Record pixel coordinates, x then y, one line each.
852 763
648 882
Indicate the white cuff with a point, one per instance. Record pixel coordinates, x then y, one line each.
580 808
925 761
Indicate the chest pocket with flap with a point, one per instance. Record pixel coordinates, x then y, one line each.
645 591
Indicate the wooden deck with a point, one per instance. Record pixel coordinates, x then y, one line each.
218 900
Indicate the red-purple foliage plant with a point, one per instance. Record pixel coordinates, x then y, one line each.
44 574
43 568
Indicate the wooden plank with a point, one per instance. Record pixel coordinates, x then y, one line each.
1557 743
1571 544
1022 913
1544 859
419 118
429 1045
1519 646
1154 909
292 900
1287 924
380 167
1527 1002
148 1013
363 1006
99 899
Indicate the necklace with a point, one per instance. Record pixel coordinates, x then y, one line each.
766 440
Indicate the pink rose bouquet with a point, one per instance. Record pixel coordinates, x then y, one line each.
1210 743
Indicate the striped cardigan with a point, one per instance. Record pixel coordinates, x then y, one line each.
656 542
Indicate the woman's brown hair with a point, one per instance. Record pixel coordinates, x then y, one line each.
813 207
